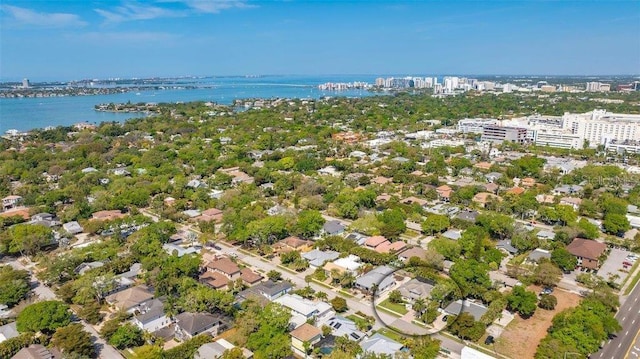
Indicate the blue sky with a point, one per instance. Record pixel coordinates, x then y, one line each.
70 39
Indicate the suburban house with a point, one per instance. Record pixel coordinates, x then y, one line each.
381 180
341 326
350 263
216 349
388 247
238 176
37 351
545 234
483 198
269 290
87 266
304 307
318 258
453 234
379 278
506 245
416 288
587 251
173 249
537 254
465 306
515 191
208 215
333 228
491 187
188 325
44 219
10 202
107 215
469 216
220 271
224 266
72 227
151 316
381 345
444 193
567 190
8 331
417 252
492 177
305 335
293 243
571 201
129 299
375 241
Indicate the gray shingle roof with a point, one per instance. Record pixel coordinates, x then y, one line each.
460 306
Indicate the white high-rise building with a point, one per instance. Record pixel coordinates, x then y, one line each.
25 83
598 127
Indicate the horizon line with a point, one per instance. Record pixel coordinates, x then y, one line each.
328 74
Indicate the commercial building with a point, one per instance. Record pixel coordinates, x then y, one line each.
475 125
494 133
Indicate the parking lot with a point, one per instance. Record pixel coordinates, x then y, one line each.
613 265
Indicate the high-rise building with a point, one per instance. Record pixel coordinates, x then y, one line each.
25 83
599 126
597 87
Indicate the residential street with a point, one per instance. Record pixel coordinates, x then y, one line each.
355 304
105 351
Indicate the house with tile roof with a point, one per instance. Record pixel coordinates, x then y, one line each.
587 251
304 335
444 192
129 299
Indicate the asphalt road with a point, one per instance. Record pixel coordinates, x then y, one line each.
105 351
627 344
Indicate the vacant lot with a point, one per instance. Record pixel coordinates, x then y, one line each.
521 337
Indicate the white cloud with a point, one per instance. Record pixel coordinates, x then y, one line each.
130 11
215 6
133 11
24 16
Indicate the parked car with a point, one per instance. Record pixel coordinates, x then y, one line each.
625 263
547 290
444 319
490 340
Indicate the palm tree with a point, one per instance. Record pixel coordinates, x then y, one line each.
419 305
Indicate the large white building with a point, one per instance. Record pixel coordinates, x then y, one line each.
598 127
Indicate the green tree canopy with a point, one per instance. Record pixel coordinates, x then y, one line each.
73 339
43 317
14 285
522 301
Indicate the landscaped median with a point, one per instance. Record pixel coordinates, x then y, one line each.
634 280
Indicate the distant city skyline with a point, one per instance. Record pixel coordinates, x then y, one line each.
56 40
